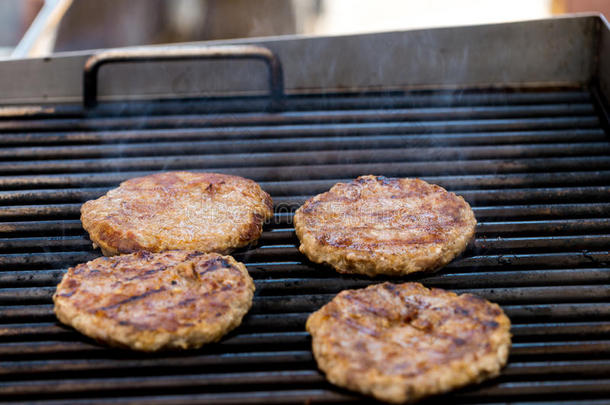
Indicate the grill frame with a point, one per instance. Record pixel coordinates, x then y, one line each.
533 160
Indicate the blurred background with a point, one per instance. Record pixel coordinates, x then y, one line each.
38 27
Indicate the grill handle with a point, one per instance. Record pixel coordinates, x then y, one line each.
95 62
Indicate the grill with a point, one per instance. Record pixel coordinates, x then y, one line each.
533 163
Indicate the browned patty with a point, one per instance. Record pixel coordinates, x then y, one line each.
377 225
207 212
151 301
401 342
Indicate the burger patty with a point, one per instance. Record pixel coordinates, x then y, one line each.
151 301
377 225
401 342
207 212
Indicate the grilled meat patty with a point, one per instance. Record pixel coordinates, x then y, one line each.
377 225
151 301
207 212
401 342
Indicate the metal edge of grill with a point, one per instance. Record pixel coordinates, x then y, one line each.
535 165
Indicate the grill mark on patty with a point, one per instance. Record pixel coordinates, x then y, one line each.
491 324
369 245
132 299
375 309
147 273
193 255
214 264
355 325
186 302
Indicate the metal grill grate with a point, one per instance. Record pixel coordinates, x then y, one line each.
535 166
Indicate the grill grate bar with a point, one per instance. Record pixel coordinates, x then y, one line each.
279 338
312 187
76 385
388 128
479 263
300 339
560 259
273 397
316 186
295 282
379 100
477 197
10 369
112 179
309 302
530 352
292 321
376 111
601 347
318 157
543 387
515 295
44 330
279 139
326 171
327 396
521 332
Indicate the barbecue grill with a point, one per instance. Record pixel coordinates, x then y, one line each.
511 116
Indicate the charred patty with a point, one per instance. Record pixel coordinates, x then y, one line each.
401 342
151 301
207 212
377 225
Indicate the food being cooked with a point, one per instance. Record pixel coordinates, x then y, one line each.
377 225
207 212
401 342
151 301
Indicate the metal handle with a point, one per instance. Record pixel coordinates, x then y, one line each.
95 62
